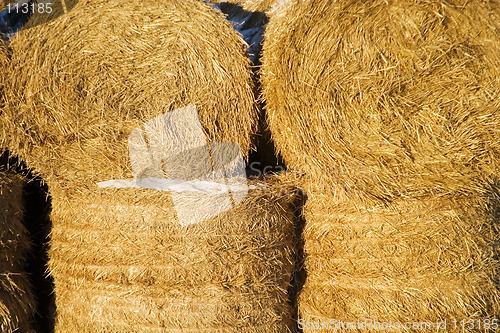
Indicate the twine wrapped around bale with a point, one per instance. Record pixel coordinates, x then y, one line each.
17 304
393 98
413 261
122 263
106 67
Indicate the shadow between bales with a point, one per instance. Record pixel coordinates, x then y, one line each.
38 225
299 275
264 158
494 208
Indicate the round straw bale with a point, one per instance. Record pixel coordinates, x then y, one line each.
17 304
396 98
269 7
86 79
414 261
122 263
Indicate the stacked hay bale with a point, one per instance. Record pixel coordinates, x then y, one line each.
391 110
17 304
400 101
120 81
413 261
120 259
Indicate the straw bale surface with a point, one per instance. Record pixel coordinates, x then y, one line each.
394 98
16 297
122 263
84 80
250 5
4 60
422 260
269 7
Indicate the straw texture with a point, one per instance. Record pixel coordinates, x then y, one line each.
82 82
17 305
387 98
4 3
105 68
4 60
251 5
122 263
268 7
422 260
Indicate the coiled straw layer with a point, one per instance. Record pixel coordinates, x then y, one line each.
410 261
122 263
